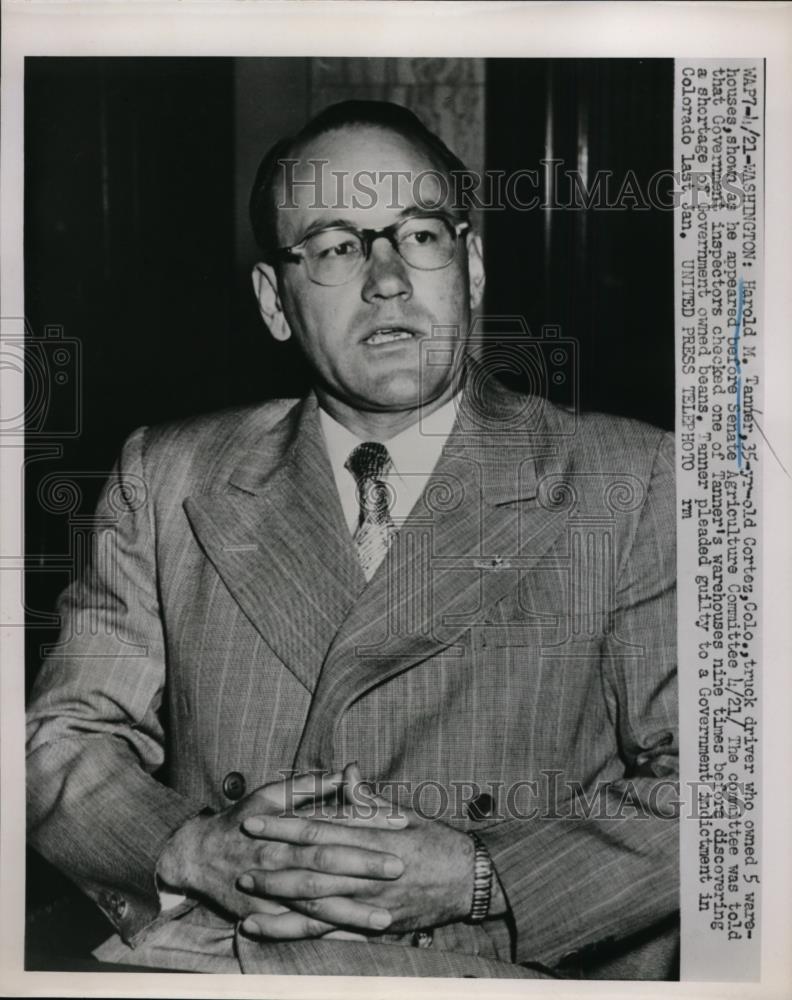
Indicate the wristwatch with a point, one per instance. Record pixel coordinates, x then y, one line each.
482 881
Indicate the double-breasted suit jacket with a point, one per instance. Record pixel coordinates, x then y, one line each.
510 668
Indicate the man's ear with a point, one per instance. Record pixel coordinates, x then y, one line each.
475 269
265 285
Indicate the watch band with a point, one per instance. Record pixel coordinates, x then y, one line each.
482 881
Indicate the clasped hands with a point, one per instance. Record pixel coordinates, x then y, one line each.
291 869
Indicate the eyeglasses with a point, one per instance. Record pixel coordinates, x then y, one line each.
335 255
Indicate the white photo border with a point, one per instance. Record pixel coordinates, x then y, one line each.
363 28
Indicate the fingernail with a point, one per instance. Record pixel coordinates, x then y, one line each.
245 882
393 867
380 920
253 825
399 821
250 926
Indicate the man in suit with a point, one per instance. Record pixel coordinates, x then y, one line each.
405 647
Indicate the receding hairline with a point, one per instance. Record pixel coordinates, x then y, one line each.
297 149
300 144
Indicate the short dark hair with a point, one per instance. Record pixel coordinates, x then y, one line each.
379 114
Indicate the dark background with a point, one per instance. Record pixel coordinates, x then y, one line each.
136 171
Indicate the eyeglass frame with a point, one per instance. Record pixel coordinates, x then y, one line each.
296 253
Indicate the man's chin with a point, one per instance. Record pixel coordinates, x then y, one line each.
401 395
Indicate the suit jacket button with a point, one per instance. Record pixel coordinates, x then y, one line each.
234 786
481 807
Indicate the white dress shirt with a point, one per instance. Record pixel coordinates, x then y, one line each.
414 453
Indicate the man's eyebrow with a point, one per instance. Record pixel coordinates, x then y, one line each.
319 225
421 212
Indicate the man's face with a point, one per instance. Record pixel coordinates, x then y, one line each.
354 334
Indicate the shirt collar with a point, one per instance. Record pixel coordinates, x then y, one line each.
414 450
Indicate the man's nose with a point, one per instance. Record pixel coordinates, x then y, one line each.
387 275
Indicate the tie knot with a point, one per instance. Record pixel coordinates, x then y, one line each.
368 461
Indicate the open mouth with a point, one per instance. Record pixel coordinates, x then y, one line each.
388 335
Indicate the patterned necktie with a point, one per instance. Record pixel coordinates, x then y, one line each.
375 529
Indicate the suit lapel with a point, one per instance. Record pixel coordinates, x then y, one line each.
473 535
278 539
